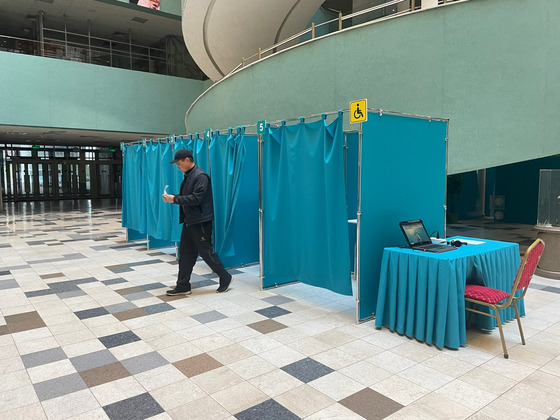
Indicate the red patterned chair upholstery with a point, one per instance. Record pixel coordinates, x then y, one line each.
481 295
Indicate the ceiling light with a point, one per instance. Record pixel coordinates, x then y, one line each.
47 1
139 20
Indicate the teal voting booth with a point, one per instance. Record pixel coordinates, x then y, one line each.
309 200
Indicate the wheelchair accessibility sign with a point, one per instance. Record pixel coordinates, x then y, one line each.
358 111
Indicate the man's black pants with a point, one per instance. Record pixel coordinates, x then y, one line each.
197 240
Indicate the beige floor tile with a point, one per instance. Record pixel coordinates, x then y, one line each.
508 368
231 354
217 379
118 390
391 361
13 380
251 367
451 366
239 397
365 373
50 371
275 382
304 400
467 395
336 386
205 408
31 412
211 342
489 381
161 376
180 352
416 351
505 409
281 356
334 411
70 405
360 349
536 399
335 358
441 408
400 389
177 394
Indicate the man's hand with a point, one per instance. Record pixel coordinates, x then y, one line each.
168 198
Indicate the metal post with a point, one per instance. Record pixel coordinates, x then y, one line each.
339 21
313 30
89 39
260 54
130 46
261 253
41 20
65 40
358 223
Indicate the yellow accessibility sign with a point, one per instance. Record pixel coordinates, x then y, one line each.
358 111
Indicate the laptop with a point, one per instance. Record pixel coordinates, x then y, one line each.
418 239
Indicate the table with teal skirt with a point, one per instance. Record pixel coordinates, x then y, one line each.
421 294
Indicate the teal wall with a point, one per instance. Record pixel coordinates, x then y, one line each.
490 66
47 92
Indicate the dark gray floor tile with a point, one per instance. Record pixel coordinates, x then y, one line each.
136 408
119 339
152 286
273 311
91 313
307 370
43 357
59 386
203 283
93 360
35 293
113 281
269 409
156 309
144 362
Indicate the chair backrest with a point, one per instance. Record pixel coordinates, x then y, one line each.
528 265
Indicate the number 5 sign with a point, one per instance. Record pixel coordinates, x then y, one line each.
261 126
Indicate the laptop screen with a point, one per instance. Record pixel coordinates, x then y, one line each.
415 232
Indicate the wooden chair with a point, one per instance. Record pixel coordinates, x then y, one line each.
481 295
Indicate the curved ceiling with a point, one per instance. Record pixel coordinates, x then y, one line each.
218 34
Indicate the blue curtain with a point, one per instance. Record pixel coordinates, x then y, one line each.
134 204
305 224
160 216
227 155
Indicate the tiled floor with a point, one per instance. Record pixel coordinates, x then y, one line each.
86 332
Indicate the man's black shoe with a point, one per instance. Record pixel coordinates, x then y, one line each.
224 288
176 292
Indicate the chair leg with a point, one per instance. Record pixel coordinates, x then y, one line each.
471 313
519 322
499 321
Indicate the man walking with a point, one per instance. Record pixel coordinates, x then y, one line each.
196 212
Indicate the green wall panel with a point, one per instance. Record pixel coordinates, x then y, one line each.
56 93
490 66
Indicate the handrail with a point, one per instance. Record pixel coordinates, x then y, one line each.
314 27
340 19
